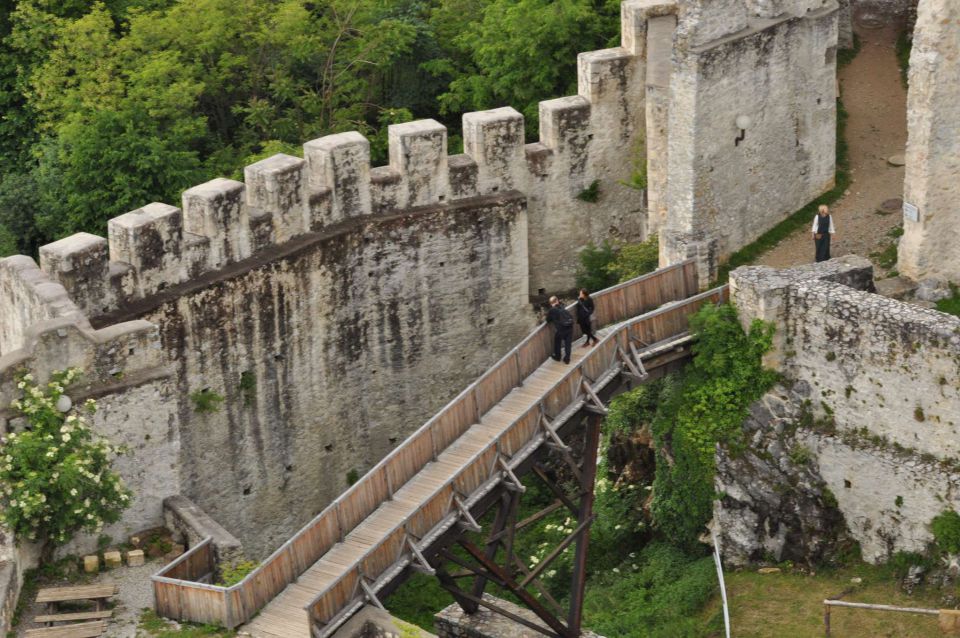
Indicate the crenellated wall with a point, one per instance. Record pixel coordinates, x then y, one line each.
125 371
335 305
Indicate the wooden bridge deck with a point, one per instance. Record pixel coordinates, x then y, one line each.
285 616
368 537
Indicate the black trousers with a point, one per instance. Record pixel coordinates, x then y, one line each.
587 329
823 247
563 336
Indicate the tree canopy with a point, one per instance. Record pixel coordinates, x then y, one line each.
112 104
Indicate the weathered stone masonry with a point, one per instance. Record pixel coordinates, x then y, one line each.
886 376
335 305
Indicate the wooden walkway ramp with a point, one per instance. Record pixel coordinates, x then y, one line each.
369 536
285 617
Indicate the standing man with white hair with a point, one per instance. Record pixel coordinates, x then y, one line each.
822 230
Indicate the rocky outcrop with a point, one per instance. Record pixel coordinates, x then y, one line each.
773 502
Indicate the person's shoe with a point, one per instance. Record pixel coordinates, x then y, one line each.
554 358
566 360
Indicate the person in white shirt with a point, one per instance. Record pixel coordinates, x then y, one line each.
822 230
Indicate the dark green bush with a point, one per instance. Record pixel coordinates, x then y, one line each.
946 531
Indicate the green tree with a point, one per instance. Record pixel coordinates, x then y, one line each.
524 51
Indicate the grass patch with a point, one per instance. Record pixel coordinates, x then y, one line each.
886 257
803 217
151 624
903 47
846 56
951 305
791 604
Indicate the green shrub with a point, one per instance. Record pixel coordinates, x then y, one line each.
593 273
56 477
235 571
206 401
591 193
634 260
657 593
704 407
951 305
946 531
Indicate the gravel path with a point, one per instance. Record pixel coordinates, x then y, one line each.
875 98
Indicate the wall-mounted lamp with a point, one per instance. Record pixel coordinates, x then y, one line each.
64 403
743 123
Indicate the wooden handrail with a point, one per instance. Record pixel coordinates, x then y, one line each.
242 600
599 352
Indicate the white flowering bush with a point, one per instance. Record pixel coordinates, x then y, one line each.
56 477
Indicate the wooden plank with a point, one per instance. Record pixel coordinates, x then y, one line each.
82 615
82 592
76 630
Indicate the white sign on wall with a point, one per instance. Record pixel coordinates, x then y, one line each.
910 212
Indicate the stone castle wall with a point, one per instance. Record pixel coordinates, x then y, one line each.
928 247
335 305
885 375
775 63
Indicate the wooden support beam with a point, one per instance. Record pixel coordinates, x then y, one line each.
420 563
638 360
459 594
596 404
466 519
371 595
493 543
579 578
525 597
559 493
514 483
552 556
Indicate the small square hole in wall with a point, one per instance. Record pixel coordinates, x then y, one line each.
442 263
442 197
392 440
246 491
328 447
131 351
847 484
289 468
495 189
541 291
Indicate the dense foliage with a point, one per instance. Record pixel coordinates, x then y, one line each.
111 104
56 475
609 264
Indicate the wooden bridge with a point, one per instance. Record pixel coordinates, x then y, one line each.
405 512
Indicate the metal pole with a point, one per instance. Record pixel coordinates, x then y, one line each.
723 586
588 477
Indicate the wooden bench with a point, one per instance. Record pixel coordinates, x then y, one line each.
96 593
76 630
74 616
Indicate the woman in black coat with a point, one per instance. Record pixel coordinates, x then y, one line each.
584 315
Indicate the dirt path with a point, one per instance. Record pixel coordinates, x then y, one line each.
875 98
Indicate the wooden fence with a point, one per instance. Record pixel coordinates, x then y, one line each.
179 596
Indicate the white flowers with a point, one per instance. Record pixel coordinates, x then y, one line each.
73 491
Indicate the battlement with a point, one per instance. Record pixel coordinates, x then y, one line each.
29 296
224 221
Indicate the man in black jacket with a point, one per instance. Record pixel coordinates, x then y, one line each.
563 325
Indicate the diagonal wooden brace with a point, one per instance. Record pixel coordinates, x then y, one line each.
467 519
638 360
369 594
637 372
420 563
596 405
514 483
